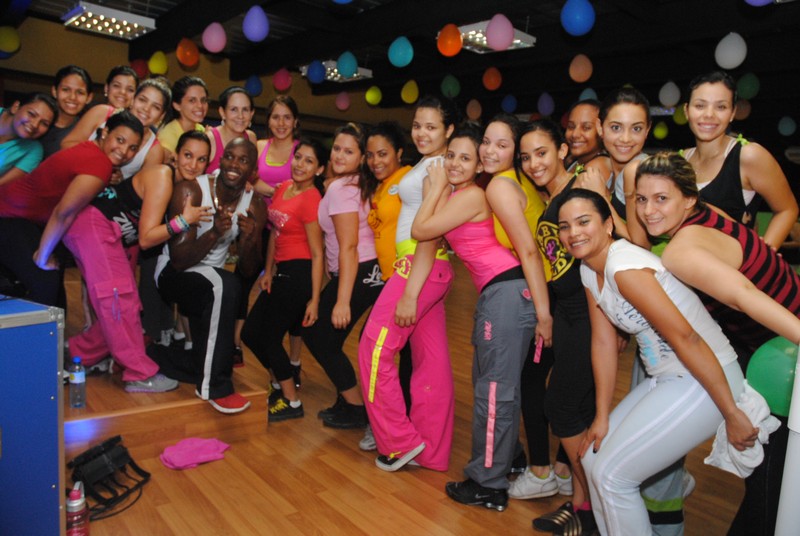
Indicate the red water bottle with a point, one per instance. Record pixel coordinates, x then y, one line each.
77 512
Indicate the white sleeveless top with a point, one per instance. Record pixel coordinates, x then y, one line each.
218 254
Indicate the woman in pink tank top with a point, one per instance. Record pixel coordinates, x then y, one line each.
275 153
236 109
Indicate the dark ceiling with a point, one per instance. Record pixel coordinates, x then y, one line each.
642 42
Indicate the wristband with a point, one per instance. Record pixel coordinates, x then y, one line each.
183 223
174 226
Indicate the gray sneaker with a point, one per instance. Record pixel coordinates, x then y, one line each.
368 441
530 486
157 383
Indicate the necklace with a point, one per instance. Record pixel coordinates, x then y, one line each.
215 199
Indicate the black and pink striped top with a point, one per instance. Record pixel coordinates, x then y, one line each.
764 268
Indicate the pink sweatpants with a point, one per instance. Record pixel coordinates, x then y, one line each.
432 412
96 243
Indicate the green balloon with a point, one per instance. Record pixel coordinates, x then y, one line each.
771 373
748 86
450 86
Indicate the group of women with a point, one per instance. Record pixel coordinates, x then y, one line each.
556 242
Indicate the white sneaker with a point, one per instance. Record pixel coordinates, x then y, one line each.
368 441
530 486
564 485
688 482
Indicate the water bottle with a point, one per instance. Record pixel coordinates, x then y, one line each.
77 384
77 512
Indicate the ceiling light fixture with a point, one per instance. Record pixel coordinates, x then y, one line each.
332 74
474 38
106 21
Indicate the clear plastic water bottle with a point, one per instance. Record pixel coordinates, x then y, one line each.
77 384
77 512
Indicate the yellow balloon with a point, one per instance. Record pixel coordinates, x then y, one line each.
660 131
680 115
374 95
158 63
9 39
410 92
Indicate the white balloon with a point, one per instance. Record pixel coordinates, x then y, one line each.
669 95
787 126
731 51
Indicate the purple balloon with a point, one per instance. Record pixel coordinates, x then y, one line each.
255 25
758 3
546 105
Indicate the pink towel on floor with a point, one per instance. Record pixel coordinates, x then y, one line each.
193 451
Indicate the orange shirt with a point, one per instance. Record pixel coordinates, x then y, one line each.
383 219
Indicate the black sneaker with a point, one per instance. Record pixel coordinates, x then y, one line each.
296 376
275 393
473 494
282 410
333 409
346 417
558 521
396 460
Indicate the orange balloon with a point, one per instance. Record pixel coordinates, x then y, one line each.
450 41
187 52
492 78
743 109
474 110
580 69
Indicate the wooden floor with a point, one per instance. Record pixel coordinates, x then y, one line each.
298 477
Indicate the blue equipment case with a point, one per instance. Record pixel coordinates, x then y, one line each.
31 418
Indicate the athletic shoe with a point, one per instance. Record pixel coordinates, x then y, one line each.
333 409
101 367
564 485
530 486
238 357
471 493
368 441
157 383
282 410
347 417
559 521
274 394
396 460
688 482
520 463
233 403
296 375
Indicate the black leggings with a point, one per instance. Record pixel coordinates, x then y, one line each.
324 341
533 388
275 313
570 400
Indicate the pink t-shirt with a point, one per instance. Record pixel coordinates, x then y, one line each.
289 218
343 196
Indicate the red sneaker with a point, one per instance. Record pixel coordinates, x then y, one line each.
233 403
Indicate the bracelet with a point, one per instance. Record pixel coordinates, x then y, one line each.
174 227
183 223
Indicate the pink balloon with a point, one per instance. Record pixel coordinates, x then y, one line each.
343 101
214 38
282 80
499 32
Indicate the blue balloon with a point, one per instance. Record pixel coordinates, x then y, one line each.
315 72
509 104
577 17
6 55
253 86
588 94
401 52
347 65
343 2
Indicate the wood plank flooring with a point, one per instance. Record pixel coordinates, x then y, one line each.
298 477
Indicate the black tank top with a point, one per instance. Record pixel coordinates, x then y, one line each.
122 205
725 190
